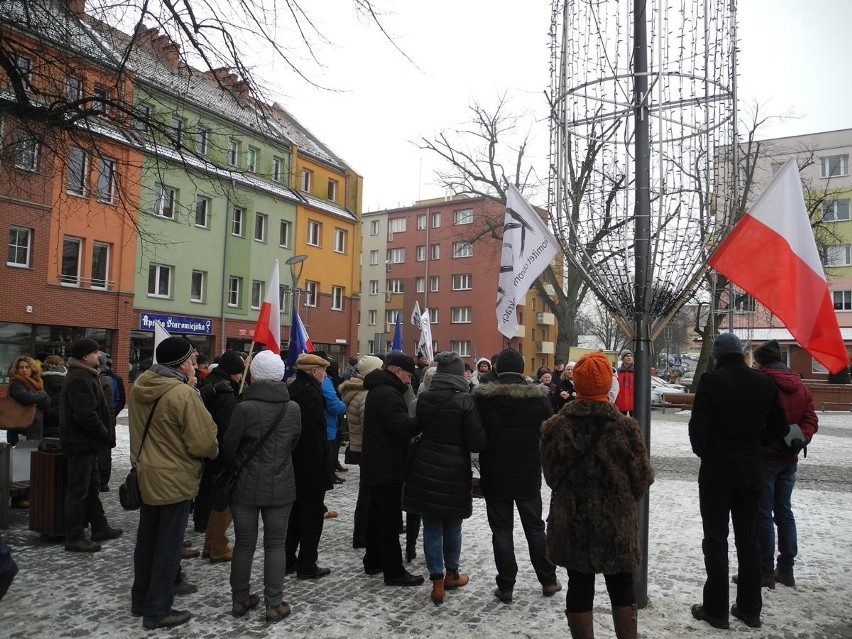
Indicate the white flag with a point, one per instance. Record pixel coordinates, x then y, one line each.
160 334
425 345
415 314
528 248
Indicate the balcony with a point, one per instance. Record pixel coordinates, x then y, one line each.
545 319
545 348
520 331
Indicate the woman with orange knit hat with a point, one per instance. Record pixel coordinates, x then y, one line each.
596 463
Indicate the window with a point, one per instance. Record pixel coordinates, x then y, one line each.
462 249
332 189
337 298
284 234
100 265
462 347
251 159
396 286
284 298
396 225
101 96
314 229
374 287
374 258
24 67
837 255
256 294
106 179
311 297
159 280
436 251
842 300
165 201
307 178
461 315
176 131
420 284
421 221
434 282
260 227
277 169
390 319
374 227
202 141
142 119
774 167
834 166
70 274
234 152
202 211
436 220
198 287
75 181
339 241
835 211
371 317
421 254
237 222
433 315
73 88
396 256
20 246
465 216
462 282
26 150
235 285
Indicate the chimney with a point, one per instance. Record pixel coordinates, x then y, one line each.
76 7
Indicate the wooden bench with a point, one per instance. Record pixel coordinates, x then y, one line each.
845 405
679 401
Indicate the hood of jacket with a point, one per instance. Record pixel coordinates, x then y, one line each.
151 384
54 371
510 390
787 380
446 381
76 363
266 391
350 386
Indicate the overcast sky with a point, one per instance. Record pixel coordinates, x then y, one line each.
793 60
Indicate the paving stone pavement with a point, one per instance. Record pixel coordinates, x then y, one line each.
60 594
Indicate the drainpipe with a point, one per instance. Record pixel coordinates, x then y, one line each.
224 302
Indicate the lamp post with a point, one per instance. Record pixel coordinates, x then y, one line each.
295 274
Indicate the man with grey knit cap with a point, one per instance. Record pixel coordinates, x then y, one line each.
736 410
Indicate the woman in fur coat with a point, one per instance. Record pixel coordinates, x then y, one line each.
596 463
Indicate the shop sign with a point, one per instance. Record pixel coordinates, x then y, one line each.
177 323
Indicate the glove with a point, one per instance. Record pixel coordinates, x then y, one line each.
223 387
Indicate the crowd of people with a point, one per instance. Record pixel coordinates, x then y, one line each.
414 428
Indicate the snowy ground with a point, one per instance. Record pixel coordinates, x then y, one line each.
59 594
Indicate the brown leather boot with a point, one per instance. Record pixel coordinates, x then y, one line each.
625 619
455 579
437 591
581 624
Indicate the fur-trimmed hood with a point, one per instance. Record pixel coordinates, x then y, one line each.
512 390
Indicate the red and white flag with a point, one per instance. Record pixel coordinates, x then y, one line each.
268 329
771 254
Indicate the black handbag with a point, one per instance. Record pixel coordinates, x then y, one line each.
129 495
223 484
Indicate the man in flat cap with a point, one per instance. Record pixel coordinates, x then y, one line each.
170 434
387 432
311 470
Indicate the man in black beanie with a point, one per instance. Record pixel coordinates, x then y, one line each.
779 469
84 430
512 412
736 410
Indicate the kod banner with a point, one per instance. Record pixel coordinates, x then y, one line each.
177 324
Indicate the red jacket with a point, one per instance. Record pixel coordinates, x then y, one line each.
798 405
624 401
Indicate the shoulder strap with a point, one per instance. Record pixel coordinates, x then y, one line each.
148 423
236 471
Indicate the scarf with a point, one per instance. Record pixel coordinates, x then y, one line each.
34 383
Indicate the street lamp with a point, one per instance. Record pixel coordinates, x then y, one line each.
296 274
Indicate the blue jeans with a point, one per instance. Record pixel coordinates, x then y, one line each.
441 544
501 513
156 560
779 477
275 520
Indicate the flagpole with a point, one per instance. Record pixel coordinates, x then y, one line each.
248 360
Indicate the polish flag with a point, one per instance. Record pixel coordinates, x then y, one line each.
268 329
771 254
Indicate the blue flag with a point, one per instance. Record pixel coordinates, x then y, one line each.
396 345
299 342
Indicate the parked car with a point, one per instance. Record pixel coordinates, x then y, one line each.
660 387
686 379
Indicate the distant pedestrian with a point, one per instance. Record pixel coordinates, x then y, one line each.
625 374
512 412
595 460
735 411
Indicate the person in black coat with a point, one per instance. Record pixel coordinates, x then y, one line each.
53 373
438 484
387 431
512 412
309 465
736 410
